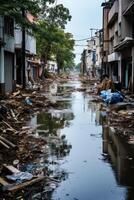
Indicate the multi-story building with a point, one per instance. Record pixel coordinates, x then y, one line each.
7 54
93 55
32 65
113 40
118 41
125 45
11 70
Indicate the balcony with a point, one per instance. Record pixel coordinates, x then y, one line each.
113 13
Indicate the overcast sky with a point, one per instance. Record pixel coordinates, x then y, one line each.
86 14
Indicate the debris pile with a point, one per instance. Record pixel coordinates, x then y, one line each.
121 117
20 144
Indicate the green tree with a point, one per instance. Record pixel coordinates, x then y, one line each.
55 43
38 8
64 51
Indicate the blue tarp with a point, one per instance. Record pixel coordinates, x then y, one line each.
111 98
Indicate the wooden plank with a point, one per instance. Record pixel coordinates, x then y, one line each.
3 182
11 168
25 184
9 126
5 145
7 141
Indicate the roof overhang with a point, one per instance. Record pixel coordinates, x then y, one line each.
127 42
129 10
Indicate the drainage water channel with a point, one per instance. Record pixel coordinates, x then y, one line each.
86 172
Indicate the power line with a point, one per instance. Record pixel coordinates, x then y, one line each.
80 45
82 39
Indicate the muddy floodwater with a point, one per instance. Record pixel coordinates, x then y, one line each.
91 166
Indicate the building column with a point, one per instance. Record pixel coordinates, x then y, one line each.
2 75
133 69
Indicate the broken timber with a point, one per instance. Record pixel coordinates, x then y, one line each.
6 143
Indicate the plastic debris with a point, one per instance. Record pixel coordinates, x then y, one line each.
28 101
111 98
20 177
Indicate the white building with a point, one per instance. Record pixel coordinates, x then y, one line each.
52 66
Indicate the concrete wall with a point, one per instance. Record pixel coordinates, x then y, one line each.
30 41
113 11
126 23
105 29
31 44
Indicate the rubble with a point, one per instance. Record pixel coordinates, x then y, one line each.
18 141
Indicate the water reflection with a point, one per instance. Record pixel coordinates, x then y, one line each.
121 156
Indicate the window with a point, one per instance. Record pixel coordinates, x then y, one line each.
9 25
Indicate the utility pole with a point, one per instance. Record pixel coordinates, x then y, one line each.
23 51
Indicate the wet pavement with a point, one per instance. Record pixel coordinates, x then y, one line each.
91 169
88 162
90 175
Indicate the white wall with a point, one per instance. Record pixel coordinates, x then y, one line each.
30 41
31 44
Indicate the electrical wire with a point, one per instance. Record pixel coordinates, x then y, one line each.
82 39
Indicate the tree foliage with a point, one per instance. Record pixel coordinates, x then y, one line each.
57 45
58 14
52 41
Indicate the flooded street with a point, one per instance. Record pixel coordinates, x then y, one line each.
88 167
79 154
67 100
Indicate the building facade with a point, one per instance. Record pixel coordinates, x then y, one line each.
11 71
7 55
118 41
30 51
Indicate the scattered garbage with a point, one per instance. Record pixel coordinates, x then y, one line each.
111 98
20 177
106 84
13 114
28 101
